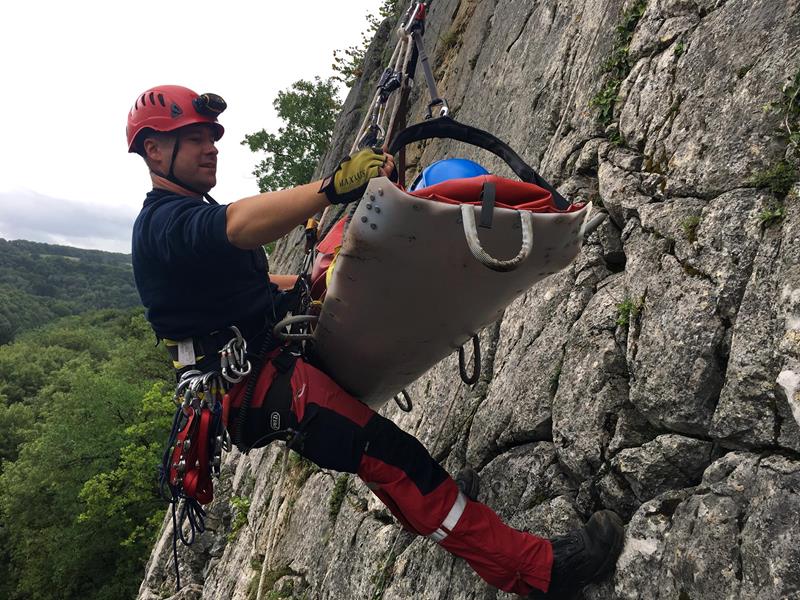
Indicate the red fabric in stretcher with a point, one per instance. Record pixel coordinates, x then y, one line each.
508 194
326 251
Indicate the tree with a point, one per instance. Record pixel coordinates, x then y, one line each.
309 110
349 63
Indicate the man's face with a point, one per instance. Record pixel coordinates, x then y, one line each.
196 162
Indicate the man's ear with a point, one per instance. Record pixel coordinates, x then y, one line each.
152 149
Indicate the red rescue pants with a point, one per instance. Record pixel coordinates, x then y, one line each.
344 434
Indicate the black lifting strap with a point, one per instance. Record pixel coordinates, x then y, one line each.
448 128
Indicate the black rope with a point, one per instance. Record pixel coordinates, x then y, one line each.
476 367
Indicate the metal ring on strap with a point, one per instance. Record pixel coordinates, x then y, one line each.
474 243
278 330
403 401
476 357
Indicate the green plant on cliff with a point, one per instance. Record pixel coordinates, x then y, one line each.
781 176
383 576
241 506
790 110
337 496
617 66
628 310
778 179
771 216
689 226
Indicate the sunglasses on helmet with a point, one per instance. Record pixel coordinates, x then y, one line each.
209 105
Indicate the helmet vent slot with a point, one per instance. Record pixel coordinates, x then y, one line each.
161 100
152 98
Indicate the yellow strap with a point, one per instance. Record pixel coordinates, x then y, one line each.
329 273
175 363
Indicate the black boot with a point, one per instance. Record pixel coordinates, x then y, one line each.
584 555
469 482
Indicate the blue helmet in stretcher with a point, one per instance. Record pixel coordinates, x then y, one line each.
446 169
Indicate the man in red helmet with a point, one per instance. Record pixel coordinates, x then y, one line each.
200 269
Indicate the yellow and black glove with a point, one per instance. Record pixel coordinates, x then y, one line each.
350 179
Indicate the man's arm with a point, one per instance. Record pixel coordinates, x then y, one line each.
264 218
284 282
257 220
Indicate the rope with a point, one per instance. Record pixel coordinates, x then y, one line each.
272 518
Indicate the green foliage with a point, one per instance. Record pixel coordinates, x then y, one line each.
617 67
241 507
778 179
348 64
689 226
680 48
382 577
450 39
300 469
790 110
771 216
271 577
628 310
337 496
309 111
42 282
82 425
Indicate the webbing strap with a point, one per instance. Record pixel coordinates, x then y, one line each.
448 128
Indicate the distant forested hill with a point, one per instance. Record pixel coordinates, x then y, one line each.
41 282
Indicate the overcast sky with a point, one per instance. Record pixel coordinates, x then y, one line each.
70 72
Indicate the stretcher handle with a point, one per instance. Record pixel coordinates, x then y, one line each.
279 329
448 128
474 243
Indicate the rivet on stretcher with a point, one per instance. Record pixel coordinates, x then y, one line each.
373 226
369 206
377 209
380 191
364 219
372 197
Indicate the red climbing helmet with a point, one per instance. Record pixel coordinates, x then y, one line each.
168 107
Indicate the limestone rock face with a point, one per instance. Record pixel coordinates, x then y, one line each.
658 375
